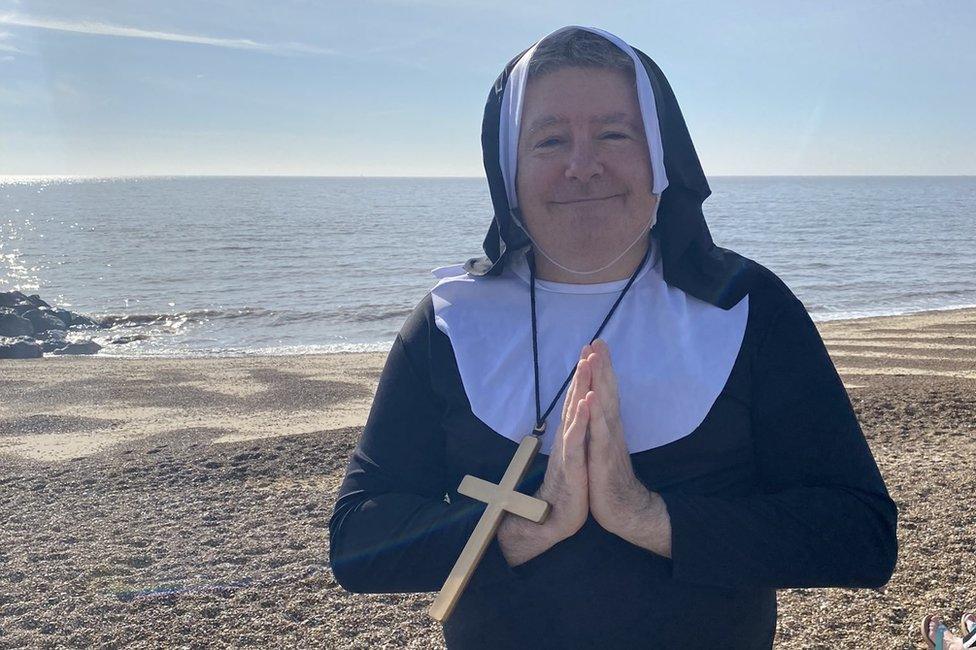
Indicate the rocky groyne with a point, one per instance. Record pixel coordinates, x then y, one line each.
31 328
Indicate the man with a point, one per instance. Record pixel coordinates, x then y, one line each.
705 452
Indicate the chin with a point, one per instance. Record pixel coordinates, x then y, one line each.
588 243
598 220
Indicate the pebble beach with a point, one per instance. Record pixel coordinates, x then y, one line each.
163 502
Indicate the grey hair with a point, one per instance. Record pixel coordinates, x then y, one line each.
578 48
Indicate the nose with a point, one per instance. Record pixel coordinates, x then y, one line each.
584 164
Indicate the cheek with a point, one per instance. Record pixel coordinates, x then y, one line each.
532 182
636 164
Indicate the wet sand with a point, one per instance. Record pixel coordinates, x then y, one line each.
159 502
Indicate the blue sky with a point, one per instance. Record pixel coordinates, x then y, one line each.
397 88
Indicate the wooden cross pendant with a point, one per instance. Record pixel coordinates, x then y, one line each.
500 498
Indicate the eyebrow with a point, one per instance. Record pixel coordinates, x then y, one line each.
551 120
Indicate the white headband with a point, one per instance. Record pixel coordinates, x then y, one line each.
510 120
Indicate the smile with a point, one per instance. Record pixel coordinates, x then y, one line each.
605 198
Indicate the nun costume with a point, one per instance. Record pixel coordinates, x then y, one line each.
732 410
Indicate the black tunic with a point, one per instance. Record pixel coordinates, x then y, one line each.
776 488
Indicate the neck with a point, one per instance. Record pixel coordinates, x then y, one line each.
622 269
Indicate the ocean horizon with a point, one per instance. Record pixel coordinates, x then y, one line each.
240 265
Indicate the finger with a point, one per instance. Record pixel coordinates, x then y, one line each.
574 449
582 385
599 440
570 399
606 378
610 374
596 375
611 380
577 388
569 406
585 352
586 378
599 382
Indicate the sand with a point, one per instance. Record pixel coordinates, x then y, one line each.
159 502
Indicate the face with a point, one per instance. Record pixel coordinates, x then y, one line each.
584 172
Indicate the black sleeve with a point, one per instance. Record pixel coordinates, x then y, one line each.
823 517
392 530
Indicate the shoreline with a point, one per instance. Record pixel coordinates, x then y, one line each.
157 501
822 325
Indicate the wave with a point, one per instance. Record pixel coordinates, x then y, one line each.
364 314
193 316
905 310
177 352
372 315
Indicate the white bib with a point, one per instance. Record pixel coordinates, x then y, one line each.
672 353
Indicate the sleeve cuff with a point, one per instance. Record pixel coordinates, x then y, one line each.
689 561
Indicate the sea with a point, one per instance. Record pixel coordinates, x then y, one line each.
234 266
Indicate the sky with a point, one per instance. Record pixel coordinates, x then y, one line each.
397 88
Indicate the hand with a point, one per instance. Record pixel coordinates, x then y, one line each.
565 483
618 500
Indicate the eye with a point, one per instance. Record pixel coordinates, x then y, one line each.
548 142
615 135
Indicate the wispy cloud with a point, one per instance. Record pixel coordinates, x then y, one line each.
108 29
7 47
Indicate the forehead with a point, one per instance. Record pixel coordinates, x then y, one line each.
594 95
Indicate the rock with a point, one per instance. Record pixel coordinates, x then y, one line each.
52 340
23 308
12 324
44 320
35 300
19 349
66 316
50 346
11 298
52 335
84 347
30 306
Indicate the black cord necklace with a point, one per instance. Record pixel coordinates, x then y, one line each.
540 426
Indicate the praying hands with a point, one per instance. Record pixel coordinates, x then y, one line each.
590 470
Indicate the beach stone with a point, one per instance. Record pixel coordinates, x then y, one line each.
44 320
19 349
82 347
12 324
11 298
